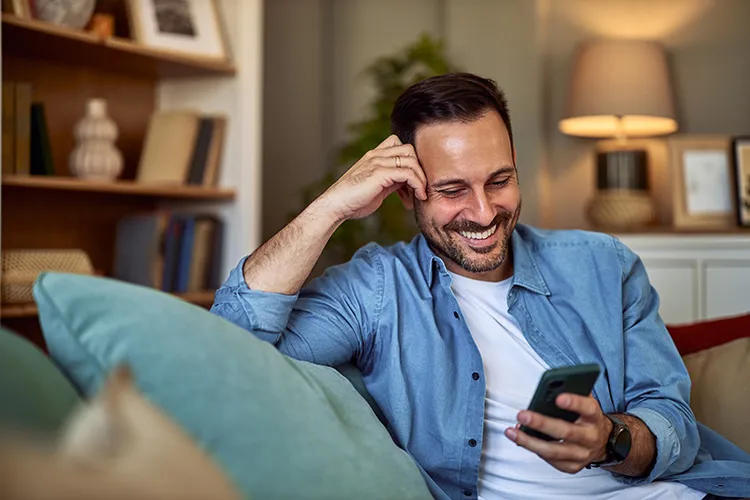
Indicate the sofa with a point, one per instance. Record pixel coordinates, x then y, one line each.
278 427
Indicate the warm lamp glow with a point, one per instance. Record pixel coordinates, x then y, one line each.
643 19
619 89
612 126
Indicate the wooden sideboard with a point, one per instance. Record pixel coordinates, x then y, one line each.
697 276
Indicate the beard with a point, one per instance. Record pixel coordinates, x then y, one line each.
445 241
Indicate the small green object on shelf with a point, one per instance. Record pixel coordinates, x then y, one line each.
41 151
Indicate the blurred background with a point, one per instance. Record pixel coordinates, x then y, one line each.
159 141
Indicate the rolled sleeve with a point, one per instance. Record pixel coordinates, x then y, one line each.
264 313
330 321
667 444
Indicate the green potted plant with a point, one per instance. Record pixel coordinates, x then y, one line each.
391 75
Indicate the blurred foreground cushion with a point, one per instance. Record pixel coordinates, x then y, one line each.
280 428
34 395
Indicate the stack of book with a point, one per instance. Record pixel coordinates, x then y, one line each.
171 251
182 147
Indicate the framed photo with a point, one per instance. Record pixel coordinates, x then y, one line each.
702 181
741 163
189 27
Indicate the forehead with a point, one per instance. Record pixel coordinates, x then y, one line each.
464 149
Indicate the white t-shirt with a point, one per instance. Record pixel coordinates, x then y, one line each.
512 371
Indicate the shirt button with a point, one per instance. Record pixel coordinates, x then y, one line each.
475 376
472 442
467 493
455 313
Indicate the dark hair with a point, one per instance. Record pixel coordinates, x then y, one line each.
453 96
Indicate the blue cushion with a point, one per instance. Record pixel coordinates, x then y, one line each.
281 428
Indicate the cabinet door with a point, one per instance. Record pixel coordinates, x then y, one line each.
677 285
727 288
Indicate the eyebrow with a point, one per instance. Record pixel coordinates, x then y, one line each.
447 182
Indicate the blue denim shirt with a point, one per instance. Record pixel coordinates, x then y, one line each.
578 297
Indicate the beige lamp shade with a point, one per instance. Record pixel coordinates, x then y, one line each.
619 88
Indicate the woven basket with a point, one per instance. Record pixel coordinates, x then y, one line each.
21 268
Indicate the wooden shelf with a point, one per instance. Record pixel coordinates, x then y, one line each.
48 41
30 310
131 188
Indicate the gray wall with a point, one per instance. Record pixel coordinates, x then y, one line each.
316 50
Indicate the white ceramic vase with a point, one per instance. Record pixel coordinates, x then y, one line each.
95 156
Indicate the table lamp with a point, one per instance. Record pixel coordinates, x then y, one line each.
620 89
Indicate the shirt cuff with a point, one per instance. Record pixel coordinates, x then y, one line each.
266 312
667 444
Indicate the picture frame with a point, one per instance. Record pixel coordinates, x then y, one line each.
741 165
702 182
187 27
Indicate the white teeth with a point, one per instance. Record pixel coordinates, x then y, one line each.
479 236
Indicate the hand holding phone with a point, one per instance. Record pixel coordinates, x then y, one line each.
576 379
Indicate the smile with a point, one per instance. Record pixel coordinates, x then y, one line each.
479 236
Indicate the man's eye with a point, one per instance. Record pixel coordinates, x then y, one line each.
451 192
501 183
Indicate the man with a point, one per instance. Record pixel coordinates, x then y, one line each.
452 331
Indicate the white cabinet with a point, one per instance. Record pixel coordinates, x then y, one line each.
697 276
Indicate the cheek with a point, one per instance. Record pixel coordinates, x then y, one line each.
508 199
444 211
440 212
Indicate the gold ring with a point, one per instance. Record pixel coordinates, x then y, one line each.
398 161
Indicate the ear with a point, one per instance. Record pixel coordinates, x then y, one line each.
407 197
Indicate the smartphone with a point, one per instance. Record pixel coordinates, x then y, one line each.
576 379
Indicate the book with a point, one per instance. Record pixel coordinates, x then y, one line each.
185 255
200 152
216 152
168 147
139 256
22 131
9 127
171 252
200 264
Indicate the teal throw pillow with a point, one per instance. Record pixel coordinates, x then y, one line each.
280 428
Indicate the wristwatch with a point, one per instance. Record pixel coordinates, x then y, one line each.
618 444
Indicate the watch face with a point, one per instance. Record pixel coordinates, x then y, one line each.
621 444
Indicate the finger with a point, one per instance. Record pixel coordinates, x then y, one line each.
586 406
400 150
389 142
582 434
409 162
551 451
389 175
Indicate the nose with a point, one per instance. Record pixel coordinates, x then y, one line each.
480 209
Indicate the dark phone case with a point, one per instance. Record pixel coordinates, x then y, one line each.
576 379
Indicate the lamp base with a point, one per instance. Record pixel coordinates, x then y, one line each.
621 209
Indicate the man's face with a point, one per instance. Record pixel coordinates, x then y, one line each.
473 197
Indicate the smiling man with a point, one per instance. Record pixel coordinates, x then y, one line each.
453 330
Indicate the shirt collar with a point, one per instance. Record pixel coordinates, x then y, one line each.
525 271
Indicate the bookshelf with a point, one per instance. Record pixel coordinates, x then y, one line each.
68 67
123 187
44 40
